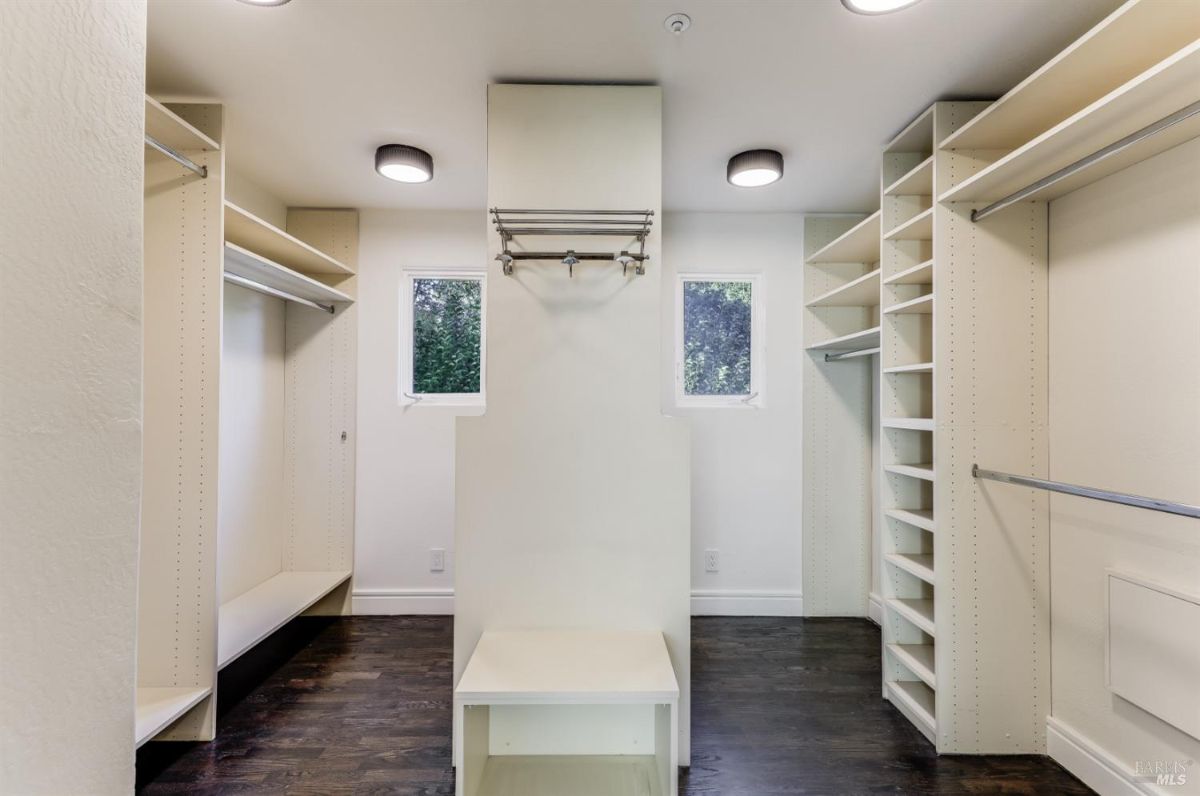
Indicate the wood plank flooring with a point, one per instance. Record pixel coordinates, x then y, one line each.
780 706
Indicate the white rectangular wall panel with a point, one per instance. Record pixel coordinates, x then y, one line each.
572 491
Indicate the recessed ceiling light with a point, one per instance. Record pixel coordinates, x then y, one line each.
755 168
404 163
265 2
877 6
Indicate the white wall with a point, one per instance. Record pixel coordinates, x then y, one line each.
252 509
745 462
71 86
405 489
1124 415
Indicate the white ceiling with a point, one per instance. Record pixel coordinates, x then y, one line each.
312 87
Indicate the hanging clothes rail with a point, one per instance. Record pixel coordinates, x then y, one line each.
270 291
862 352
182 160
512 223
1112 149
1153 504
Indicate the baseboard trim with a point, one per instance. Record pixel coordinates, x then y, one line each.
875 608
1096 767
746 602
403 602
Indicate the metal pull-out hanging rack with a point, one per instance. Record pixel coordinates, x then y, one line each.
630 224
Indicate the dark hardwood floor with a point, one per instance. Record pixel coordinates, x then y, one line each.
779 706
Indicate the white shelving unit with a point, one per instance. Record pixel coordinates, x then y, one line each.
247 264
606 704
251 233
158 708
251 617
841 317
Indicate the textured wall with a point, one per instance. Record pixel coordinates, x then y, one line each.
71 86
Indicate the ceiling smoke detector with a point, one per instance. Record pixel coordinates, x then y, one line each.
677 23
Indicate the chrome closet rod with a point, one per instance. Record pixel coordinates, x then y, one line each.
862 352
579 255
568 232
271 291
1138 501
182 160
629 222
1097 156
502 210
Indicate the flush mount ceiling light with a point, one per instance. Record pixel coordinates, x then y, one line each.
874 7
755 168
404 163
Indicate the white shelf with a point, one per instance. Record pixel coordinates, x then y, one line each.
169 129
911 423
867 338
921 305
917 136
859 244
577 775
919 274
919 227
244 263
918 612
1160 91
918 659
918 182
920 367
249 618
157 708
1130 40
922 471
253 234
860 292
918 518
919 566
919 700
555 667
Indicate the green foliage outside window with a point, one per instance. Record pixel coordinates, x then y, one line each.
446 335
717 323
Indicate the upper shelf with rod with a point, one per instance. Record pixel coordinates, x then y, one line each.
169 134
512 223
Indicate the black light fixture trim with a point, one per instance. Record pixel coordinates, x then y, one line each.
406 163
265 2
762 162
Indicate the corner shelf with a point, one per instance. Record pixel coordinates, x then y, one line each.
922 471
917 612
1158 92
157 708
919 274
247 264
915 137
1126 43
918 518
921 305
918 659
918 698
860 292
170 129
910 423
251 233
919 566
249 618
919 227
918 182
867 338
920 367
859 244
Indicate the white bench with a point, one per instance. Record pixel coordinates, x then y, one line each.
567 713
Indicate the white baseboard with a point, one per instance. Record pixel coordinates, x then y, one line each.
1096 767
401 602
875 608
746 602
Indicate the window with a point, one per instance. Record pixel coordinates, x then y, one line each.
719 341
442 339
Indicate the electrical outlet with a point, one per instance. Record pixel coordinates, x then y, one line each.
437 559
712 560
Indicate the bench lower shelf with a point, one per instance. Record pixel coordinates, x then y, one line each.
157 708
578 775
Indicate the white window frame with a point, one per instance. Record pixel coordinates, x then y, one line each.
406 395
756 398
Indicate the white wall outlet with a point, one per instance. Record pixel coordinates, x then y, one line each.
712 560
437 559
